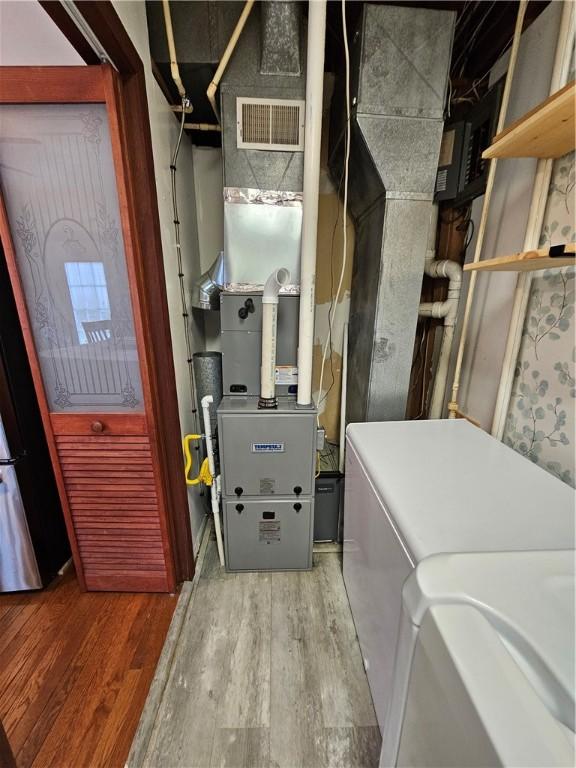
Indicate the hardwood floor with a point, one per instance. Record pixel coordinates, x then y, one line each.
75 669
266 673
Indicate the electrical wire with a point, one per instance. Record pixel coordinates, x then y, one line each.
470 236
178 244
478 26
477 81
344 213
322 398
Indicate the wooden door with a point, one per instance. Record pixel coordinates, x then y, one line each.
67 226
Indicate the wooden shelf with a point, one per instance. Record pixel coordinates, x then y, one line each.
546 131
528 261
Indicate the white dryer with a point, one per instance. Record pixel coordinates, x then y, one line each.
485 664
421 488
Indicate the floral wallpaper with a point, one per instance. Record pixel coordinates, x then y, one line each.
541 421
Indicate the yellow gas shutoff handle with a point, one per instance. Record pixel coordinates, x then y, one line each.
204 475
188 456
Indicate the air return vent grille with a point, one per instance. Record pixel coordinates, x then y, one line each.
273 124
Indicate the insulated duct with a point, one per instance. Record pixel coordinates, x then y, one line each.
208 378
400 60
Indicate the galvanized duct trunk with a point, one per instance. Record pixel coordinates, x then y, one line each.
400 59
262 230
280 38
255 54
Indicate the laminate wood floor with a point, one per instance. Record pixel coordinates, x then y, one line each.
75 669
266 673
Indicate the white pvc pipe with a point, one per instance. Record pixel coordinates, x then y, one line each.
277 279
206 401
174 69
211 92
312 138
448 310
342 441
441 377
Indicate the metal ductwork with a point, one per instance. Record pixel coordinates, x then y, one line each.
400 60
262 187
261 169
206 290
280 38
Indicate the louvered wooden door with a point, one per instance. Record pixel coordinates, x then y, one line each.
66 224
110 486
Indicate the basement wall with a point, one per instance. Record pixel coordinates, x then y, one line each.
164 130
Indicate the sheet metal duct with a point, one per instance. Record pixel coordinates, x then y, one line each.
262 188
208 378
207 288
280 38
261 232
400 59
256 168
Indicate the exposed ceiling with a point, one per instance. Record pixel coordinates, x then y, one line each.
484 30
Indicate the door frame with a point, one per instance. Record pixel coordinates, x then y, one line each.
132 149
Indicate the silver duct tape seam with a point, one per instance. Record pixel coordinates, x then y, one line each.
261 196
286 290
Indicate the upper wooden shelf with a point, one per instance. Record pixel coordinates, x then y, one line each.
546 131
528 261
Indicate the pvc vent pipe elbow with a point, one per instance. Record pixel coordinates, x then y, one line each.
277 279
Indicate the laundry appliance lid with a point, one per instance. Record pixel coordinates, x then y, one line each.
529 600
447 486
491 701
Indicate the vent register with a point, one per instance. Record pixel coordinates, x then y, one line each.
272 124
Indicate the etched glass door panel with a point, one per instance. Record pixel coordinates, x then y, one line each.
59 187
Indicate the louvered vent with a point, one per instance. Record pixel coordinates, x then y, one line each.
273 124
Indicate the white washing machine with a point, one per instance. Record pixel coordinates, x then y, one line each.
485 665
421 488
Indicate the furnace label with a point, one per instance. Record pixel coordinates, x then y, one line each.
267 486
267 447
270 532
286 375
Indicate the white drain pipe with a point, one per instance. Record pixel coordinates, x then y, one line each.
312 137
277 279
448 310
206 401
212 88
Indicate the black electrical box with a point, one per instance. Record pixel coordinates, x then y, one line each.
462 172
